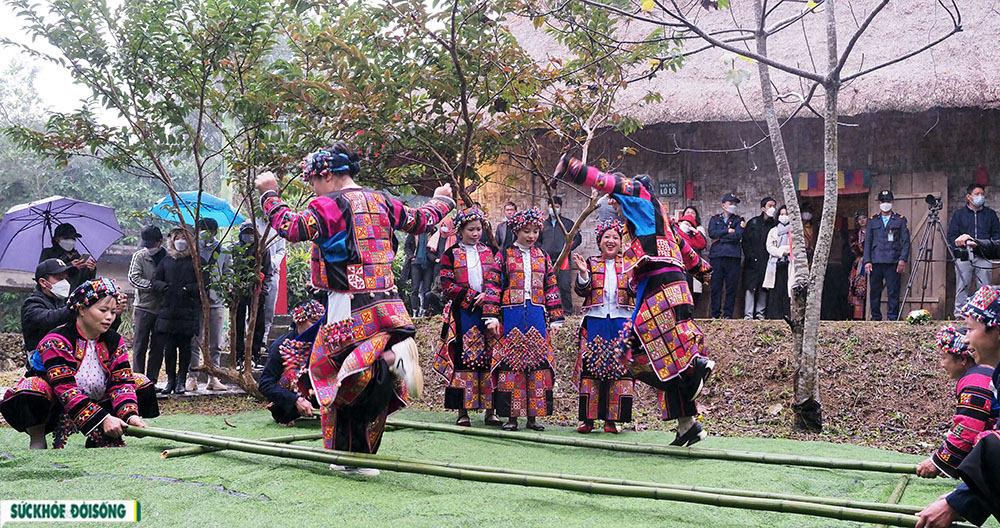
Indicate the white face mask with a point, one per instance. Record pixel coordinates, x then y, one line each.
784 219
807 216
181 245
885 206
67 244
61 289
687 228
731 209
770 212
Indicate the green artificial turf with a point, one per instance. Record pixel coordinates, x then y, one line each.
229 489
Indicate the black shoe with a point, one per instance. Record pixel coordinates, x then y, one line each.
171 385
180 389
702 370
693 435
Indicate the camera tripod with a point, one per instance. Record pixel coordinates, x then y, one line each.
925 253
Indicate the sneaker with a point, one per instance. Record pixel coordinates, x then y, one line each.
702 370
693 435
338 467
215 385
407 367
192 384
362 472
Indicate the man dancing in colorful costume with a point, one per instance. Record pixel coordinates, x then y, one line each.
368 335
667 349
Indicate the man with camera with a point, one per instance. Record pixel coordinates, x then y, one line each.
887 248
979 222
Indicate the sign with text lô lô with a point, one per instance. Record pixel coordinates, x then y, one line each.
669 188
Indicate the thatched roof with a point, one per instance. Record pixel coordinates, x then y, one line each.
962 71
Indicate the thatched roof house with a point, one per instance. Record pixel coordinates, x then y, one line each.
930 124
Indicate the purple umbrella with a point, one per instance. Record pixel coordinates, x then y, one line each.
28 227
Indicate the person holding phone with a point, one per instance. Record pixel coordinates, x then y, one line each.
84 267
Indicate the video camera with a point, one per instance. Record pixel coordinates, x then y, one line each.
933 203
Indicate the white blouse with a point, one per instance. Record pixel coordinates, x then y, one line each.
610 306
475 267
526 267
91 378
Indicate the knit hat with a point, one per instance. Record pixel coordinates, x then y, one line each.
984 307
949 340
92 291
312 309
525 217
469 215
610 223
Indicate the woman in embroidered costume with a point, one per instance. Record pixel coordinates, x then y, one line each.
285 378
530 308
606 389
470 280
977 406
88 383
368 338
667 349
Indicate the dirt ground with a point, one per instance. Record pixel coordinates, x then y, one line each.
881 384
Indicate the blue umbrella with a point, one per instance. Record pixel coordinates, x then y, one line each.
211 207
28 227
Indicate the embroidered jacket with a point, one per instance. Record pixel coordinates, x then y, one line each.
352 235
655 243
544 289
455 278
593 290
975 413
63 350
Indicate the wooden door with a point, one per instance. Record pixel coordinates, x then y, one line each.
910 190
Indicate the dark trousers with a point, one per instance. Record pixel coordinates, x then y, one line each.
242 307
175 347
144 338
564 278
725 273
421 279
891 277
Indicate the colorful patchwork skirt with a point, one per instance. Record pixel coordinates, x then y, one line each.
31 402
464 359
522 366
601 375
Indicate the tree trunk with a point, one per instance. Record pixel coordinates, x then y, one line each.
806 400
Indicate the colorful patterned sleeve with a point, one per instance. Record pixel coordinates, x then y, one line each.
972 416
418 220
60 371
449 282
552 300
583 290
579 173
121 385
298 227
491 283
692 261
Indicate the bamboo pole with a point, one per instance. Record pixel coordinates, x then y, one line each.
803 508
879 506
715 454
197 450
896 494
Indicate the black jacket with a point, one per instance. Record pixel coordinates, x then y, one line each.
755 255
552 240
982 224
76 276
40 314
180 304
988 249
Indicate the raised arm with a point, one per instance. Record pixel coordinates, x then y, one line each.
419 220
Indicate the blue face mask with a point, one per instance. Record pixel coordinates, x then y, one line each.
978 201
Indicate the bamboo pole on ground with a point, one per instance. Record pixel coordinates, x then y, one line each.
819 510
896 494
197 450
715 454
878 506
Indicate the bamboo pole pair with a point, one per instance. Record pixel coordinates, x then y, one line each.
715 454
585 486
200 449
